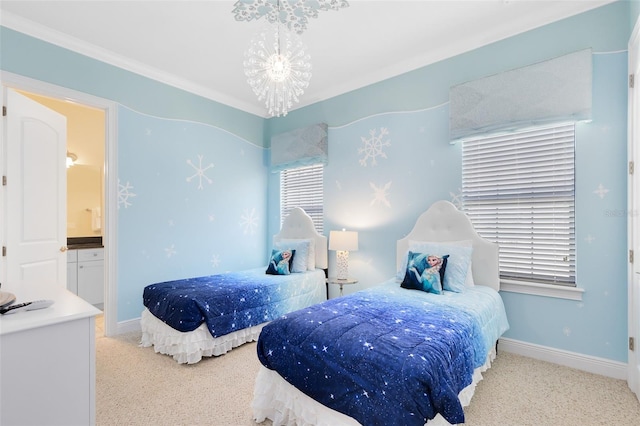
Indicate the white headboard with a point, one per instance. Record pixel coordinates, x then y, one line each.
443 222
299 225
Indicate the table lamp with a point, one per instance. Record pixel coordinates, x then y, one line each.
343 242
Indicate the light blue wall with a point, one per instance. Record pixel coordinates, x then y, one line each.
416 165
170 228
177 215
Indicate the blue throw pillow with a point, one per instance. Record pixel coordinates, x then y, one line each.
280 262
425 272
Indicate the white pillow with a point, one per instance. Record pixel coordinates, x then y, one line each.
309 248
416 246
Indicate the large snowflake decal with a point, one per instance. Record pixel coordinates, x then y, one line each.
373 145
215 260
249 221
380 194
124 194
199 172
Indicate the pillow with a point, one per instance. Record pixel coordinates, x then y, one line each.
301 247
311 256
424 272
280 262
468 282
458 265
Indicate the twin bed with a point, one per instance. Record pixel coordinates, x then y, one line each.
396 353
208 316
408 351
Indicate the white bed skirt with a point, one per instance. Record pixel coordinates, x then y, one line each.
276 399
189 347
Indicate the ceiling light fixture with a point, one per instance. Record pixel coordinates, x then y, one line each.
292 13
277 68
71 159
276 63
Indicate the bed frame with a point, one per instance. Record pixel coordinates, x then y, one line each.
442 222
190 347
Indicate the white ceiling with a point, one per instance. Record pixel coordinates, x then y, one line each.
199 46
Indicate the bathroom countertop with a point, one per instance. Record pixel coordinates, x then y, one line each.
76 243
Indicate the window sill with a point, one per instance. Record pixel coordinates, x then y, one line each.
547 290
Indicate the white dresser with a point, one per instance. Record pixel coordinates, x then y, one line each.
47 359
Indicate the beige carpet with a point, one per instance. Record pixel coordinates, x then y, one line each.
136 386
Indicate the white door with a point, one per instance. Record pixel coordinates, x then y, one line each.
634 211
35 195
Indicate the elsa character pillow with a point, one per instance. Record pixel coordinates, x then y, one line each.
280 262
425 272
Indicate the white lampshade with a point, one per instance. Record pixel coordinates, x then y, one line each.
343 240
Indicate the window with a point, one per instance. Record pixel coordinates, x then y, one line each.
303 187
518 190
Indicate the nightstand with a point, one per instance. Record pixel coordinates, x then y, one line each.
341 282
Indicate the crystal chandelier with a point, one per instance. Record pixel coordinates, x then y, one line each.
277 68
276 64
292 13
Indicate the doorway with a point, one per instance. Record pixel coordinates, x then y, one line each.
634 211
93 215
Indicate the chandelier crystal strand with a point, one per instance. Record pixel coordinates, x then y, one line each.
277 68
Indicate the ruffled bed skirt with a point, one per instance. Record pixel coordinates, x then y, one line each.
276 399
190 347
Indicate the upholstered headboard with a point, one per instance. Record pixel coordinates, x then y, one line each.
299 225
443 222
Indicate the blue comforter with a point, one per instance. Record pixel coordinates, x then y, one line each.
232 301
387 355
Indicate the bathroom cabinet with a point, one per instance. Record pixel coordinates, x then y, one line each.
85 274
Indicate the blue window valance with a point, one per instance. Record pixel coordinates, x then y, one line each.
551 91
301 147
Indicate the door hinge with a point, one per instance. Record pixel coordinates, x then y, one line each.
631 81
4 251
4 181
4 111
632 344
630 256
631 167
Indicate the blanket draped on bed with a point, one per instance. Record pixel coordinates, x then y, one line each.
231 301
388 356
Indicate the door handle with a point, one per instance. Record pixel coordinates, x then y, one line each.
64 248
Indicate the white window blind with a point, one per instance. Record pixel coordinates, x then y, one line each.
518 190
303 187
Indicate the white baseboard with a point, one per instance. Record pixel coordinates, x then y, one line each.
129 326
591 364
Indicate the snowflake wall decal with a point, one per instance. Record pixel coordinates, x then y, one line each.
199 172
380 194
601 191
124 194
215 260
170 251
249 221
373 145
456 199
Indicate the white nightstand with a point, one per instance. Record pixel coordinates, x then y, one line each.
341 282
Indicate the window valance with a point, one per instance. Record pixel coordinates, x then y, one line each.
551 91
301 147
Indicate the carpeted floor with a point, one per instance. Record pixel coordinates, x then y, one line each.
136 386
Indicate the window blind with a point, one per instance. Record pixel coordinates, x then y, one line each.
518 190
303 187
